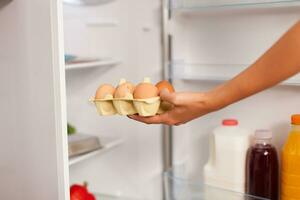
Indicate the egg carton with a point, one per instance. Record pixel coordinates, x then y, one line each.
130 106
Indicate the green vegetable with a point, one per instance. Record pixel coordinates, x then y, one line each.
71 129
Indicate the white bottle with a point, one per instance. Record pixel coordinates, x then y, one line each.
228 148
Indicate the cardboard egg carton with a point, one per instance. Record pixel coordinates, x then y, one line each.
128 105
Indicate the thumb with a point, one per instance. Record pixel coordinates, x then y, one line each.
165 95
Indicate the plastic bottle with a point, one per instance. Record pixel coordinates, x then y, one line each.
228 148
262 167
290 171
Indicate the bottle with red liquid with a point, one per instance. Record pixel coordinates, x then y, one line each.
262 167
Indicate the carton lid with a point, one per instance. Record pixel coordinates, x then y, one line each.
147 80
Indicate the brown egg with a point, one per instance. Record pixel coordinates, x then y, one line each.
145 90
104 90
123 89
165 85
165 106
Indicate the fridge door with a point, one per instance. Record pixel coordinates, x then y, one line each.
33 145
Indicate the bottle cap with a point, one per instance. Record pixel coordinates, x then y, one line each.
263 134
295 119
230 122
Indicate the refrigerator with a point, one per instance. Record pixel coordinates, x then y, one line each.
195 44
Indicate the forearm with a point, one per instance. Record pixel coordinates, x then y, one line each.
280 62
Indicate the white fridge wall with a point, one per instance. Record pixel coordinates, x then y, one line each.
130 169
231 37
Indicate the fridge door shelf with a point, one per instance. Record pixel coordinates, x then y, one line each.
102 23
105 62
87 2
107 145
202 5
214 72
179 185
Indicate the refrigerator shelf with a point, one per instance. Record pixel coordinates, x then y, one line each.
86 64
112 197
107 145
180 185
102 23
87 2
198 5
215 72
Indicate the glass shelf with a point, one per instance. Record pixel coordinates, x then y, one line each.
214 72
107 143
180 186
112 197
194 5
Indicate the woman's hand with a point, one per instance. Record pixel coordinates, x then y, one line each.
280 62
186 107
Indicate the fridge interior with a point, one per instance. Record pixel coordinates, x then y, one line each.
125 36
227 38
211 42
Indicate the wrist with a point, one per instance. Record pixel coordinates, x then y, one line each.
217 98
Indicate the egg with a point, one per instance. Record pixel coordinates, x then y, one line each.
103 90
165 85
145 91
123 89
162 85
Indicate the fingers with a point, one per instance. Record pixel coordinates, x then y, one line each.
157 119
165 118
165 95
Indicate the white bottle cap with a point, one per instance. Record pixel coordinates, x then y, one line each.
263 134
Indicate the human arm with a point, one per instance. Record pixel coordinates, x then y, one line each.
280 62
